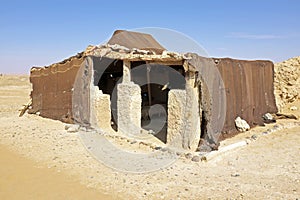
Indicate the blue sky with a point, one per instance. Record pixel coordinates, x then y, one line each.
38 33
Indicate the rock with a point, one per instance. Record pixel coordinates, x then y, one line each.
268 118
67 126
254 137
188 155
196 158
204 148
83 128
157 148
178 153
204 158
241 125
235 175
207 145
164 149
293 108
133 142
72 128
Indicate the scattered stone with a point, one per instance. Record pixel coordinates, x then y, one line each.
268 118
196 158
248 141
188 155
204 146
293 108
203 158
276 127
235 175
157 148
241 125
83 128
72 128
179 153
133 142
254 137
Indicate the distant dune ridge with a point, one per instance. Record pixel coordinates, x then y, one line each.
287 82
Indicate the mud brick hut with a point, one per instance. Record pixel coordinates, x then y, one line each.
99 88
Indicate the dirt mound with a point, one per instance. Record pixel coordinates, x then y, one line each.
287 82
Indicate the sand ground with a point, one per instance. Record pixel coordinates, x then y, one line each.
22 178
45 155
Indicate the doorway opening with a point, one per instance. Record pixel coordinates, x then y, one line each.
156 81
107 73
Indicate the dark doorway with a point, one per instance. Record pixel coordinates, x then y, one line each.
107 73
156 81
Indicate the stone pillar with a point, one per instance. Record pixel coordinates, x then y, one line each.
126 71
176 115
102 111
192 133
129 108
183 118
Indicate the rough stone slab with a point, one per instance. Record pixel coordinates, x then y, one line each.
102 111
192 129
176 121
129 108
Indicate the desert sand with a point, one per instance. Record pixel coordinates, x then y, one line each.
41 160
22 178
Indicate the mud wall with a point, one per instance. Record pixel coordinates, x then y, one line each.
52 89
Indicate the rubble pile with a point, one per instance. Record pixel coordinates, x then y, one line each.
287 82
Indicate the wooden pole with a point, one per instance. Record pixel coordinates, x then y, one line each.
148 84
126 71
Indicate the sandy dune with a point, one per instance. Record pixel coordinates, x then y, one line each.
267 168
